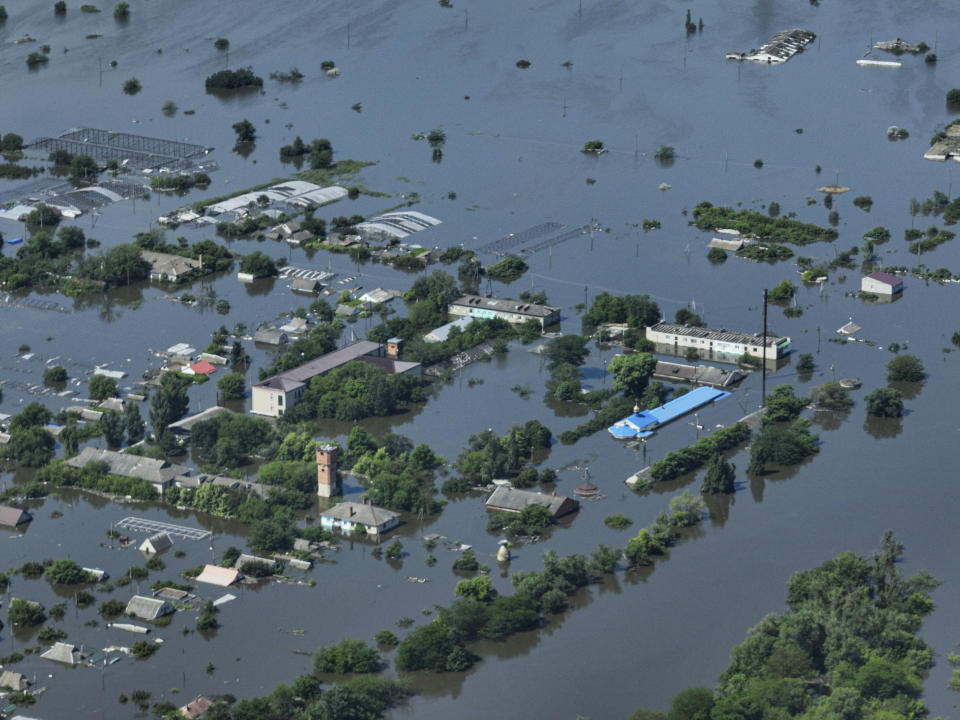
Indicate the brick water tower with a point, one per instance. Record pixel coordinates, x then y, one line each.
328 482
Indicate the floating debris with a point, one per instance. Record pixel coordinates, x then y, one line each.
778 49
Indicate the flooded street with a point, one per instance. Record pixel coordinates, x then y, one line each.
618 71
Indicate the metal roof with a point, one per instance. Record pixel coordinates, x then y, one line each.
506 306
322 364
715 335
365 514
514 500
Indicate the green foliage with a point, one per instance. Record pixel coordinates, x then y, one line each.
593 146
169 403
767 253
111 609
632 372
617 521
878 235
805 363
435 647
233 80
905 368
720 477
54 375
566 350
386 638
884 402
24 613
66 572
221 43
31 446
831 396
531 520
784 446
782 292
779 230
864 202
36 59
207 619
258 265
121 11
783 405
142 649
679 462
131 86
635 310
487 457
95 476
508 269
664 153
716 255
479 588
394 550
467 562
347 656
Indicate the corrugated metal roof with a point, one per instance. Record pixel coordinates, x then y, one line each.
715 335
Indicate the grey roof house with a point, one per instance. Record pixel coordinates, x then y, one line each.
509 499
147 608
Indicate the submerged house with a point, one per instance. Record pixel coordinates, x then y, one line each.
148 608
13 516
65 653
217 575
352 517
510 499
156 544
881 283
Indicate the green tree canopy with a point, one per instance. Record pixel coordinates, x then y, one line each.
885 402
905 368
632 372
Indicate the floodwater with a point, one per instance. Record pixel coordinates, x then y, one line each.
512 158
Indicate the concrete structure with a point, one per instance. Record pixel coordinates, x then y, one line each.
216 575
443 332
475 306
510 499
328 480
13 517
275 395
156 544
160 473
350 517
148 608
881 283
681 337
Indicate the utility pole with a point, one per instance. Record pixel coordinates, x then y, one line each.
763 387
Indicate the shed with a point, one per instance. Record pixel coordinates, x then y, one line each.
14 681
148 608
269 336
306 285
200 368
216 575
881 283
13 516
508 499
246 560
65 653
156 543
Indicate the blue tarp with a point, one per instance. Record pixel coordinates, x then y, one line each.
635 425
14 241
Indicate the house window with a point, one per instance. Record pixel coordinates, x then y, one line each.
280 400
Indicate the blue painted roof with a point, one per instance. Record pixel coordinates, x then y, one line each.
635 424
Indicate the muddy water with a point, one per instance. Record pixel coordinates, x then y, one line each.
512 158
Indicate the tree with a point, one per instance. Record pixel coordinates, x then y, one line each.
684 316
83 167
207 619
720 476
102 387
566 350
132 422
111 425
805 363
953 96
832 396
42 215
885 402
905 368
66 572
245 131
11 143
232 386
632 372
168 404
33 415
121 11
221 43
54 375
32 446
691 704
321 154
479 588
782 292
24 613
258 265
131 86
782 405
394 550
347 656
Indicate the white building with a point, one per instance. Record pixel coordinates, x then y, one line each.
881 283
350 517
681 337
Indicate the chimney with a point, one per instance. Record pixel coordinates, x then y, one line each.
352 511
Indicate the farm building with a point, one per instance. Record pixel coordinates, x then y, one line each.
881 283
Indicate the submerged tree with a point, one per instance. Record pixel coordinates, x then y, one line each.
720 477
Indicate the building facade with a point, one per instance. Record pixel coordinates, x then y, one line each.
681 337
328 481
351 517
881 283
475 306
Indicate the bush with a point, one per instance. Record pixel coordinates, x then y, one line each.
233 80
143 649
617 522
112 609
716 255
347 656
54 375
132 86
885 402
386 638
24 613
905 368
67 572
466 562
953 97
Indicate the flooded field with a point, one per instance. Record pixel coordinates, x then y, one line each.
621 72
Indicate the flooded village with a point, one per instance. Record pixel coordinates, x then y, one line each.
442 360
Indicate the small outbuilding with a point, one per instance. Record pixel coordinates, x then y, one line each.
13 517
881 283
196 708
509 499
156 544
17 682
65 653
217 575
268 336
305 285
148 608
